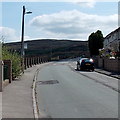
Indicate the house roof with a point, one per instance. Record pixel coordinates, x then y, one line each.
116 30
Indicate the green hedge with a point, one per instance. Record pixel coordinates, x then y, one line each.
16 61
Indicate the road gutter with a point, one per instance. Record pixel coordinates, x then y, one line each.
35 106
36 111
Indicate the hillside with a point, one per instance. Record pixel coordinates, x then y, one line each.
52 48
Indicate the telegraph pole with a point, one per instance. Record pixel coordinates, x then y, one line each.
22 38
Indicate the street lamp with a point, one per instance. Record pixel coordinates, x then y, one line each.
22 37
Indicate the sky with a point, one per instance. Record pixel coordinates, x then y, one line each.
57 20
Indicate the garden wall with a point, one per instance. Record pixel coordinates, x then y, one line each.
112 65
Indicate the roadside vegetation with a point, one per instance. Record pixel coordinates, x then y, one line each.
15 59
95 43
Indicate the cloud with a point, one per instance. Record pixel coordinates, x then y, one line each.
9 35
58 0
73 24
86 3
27 37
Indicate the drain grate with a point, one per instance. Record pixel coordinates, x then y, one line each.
47 82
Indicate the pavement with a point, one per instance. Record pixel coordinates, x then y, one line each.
108 73
16 98
0 105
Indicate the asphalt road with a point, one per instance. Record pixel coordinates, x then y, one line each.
63 92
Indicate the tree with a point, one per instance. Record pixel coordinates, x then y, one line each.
95 42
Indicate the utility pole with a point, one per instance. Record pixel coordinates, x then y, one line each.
22 38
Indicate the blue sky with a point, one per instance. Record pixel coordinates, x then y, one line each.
59 20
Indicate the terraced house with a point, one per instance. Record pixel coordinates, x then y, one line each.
112 40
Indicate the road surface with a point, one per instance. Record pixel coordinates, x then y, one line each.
63 92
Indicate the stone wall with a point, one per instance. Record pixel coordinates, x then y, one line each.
109 64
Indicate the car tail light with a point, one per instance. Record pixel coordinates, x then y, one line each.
91 60
83 60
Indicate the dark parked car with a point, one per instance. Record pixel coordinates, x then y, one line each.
85 64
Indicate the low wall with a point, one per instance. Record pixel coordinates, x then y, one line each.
109 64
1 75
30 61
7 70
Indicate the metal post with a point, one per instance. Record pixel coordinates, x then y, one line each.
22 40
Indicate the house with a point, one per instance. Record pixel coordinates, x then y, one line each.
112 40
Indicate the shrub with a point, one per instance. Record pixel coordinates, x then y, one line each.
16 61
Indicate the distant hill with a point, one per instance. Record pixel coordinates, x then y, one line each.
52 48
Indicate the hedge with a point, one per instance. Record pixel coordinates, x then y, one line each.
16 61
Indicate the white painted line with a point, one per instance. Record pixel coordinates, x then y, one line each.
35 110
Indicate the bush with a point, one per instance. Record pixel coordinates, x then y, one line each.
16 61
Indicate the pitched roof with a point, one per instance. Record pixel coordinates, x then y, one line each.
116 30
